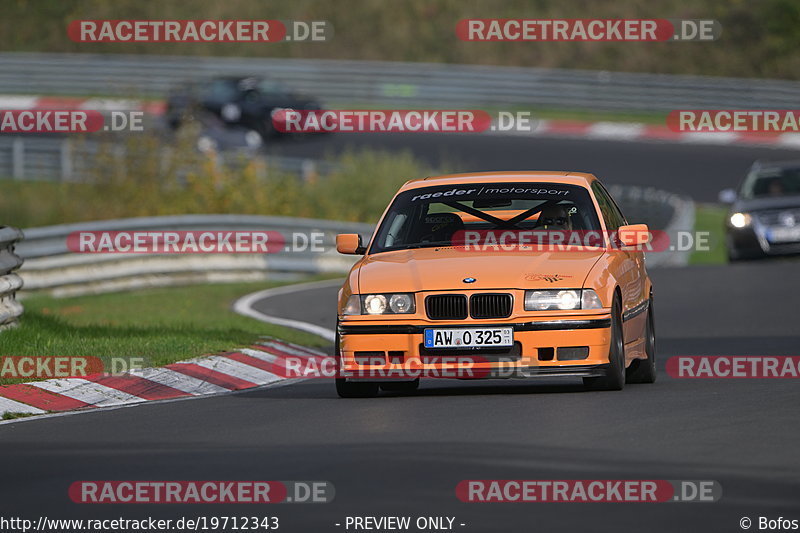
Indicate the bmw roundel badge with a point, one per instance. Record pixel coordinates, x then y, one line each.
469 280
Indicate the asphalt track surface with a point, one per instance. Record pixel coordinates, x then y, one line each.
404 454
696 170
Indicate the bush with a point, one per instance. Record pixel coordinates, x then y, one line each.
149 179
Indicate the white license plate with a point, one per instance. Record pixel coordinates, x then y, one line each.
469 337
778 234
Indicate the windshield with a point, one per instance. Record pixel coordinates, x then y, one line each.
433 216
273 87
772 182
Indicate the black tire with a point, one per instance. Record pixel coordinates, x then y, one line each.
614 379
644 370
267 129
400 386
351 389
355 389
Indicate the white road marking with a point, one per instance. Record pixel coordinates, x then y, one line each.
10 406
87 391
12 101
176 380
244 306
238 370
264 356
615 130
291 350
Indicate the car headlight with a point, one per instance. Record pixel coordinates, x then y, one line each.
375 304
740 220
380 304
401 303
561 299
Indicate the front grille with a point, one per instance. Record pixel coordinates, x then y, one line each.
776 217
446 307
490 305
370 358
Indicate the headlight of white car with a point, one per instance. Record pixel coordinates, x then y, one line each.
561 299
740 220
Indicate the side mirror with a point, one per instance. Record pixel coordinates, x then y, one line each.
349 243
727 196
634 235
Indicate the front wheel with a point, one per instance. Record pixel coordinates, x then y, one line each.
615 372
644 370
354 389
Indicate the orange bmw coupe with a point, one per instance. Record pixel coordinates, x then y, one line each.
497 275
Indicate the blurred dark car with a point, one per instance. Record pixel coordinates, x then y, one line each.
764 219
246 102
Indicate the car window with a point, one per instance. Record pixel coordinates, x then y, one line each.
220 91
611 212
771 182
434 216
273 88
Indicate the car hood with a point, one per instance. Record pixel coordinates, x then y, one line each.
760 204
432 269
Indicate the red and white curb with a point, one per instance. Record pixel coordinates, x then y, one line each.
262 364
104 105
633 131
603 130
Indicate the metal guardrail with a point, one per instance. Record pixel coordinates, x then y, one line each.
10 282
395 83
50 265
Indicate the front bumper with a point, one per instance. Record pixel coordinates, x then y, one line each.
575 346
751 242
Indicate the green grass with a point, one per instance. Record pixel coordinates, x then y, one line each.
11 416
160 326
711 219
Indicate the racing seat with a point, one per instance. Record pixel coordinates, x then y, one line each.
439 228
554 217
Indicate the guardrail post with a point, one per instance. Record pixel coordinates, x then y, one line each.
18 159
119 156
65 157
308 170
10 283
